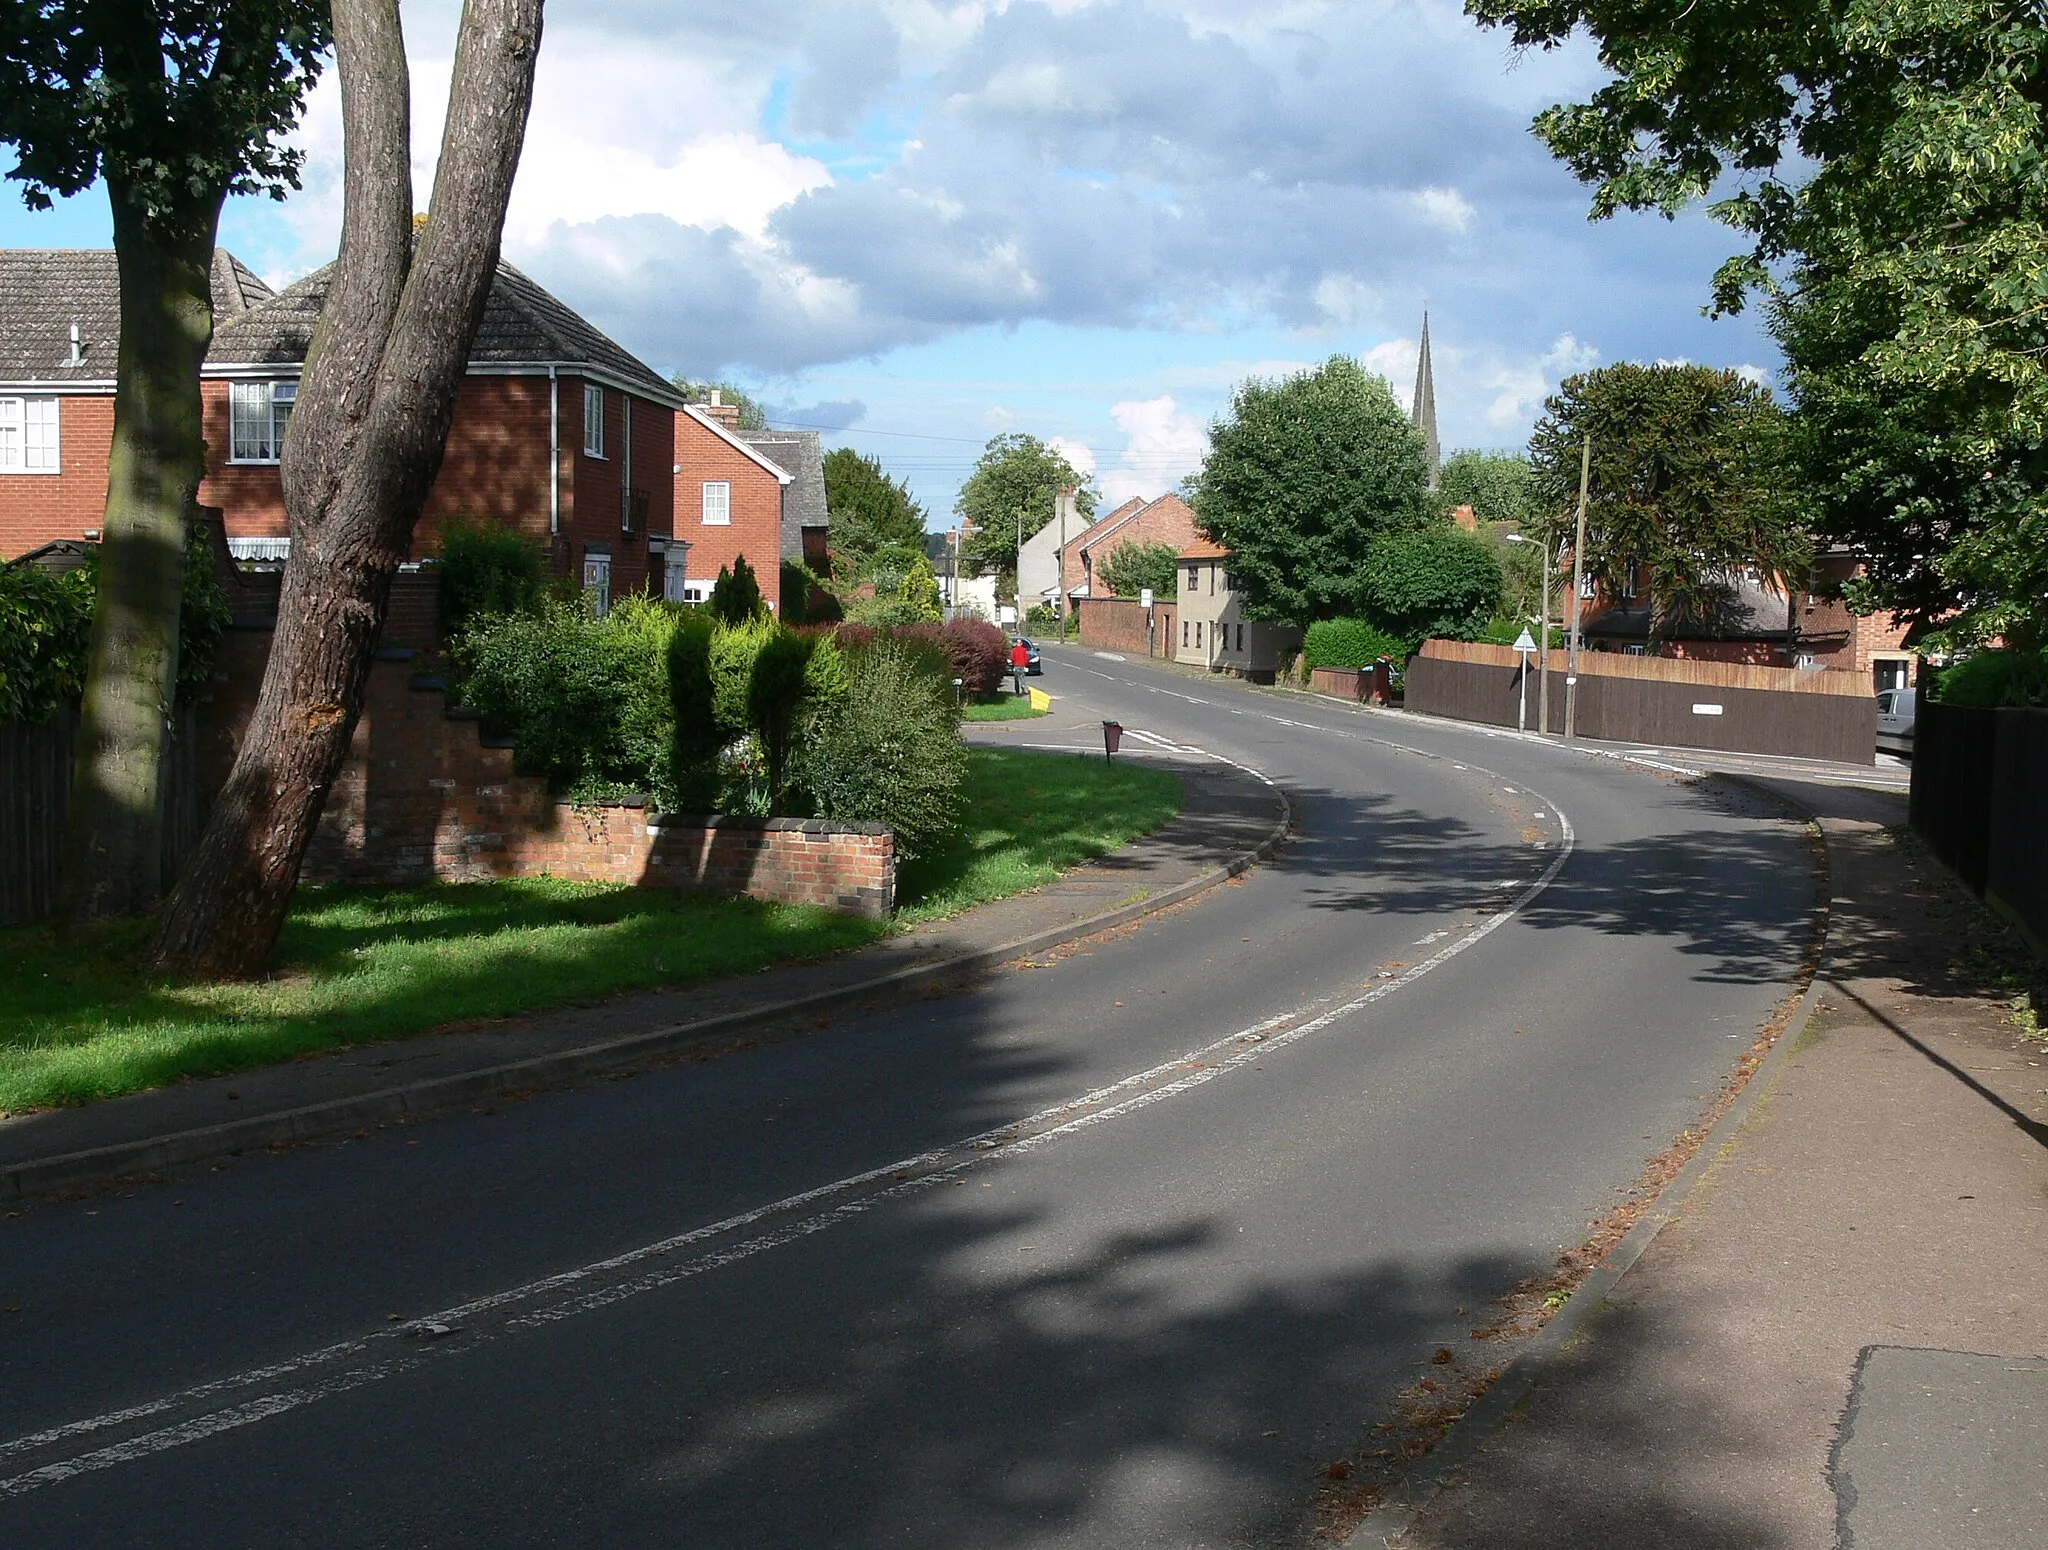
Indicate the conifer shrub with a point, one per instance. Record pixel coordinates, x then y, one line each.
487 569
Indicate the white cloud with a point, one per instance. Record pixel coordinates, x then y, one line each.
1078 453
1346 301
1162 444
1445 208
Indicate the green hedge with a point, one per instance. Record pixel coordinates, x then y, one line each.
46 627
1351 643
1990 679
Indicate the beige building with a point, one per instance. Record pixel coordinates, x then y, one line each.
1213 630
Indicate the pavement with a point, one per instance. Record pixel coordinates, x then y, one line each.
1230 818
1838 1337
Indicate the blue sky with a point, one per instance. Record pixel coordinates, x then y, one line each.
916 224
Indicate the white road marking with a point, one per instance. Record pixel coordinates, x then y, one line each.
390 1352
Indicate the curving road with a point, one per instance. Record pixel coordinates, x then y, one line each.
892 1284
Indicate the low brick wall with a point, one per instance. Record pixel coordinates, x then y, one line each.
424 798
1353 683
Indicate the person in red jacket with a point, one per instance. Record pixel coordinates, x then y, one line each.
1020 662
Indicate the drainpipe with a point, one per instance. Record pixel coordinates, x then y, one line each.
554 454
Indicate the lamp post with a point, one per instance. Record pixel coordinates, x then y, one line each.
1571 672
1543 624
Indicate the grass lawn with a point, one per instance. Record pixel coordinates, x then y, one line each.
1030 816
79 1021
1011 707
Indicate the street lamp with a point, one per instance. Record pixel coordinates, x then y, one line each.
1543 681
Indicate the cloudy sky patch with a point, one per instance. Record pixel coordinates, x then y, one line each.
919 223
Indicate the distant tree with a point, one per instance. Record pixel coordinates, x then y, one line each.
736 594
1432 581
1013 486
869 510
1691 480
752 416
1302 476
1129 568
920 595
173 107
1498 486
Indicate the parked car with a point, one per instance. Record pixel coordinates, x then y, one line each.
1033 670
1895 720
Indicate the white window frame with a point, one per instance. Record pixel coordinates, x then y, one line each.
269 405
22 450
593 420
597 583
718 503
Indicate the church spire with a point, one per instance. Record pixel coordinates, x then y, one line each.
1423 415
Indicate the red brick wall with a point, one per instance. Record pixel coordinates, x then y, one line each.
36 508
423 798
1168 520
756 529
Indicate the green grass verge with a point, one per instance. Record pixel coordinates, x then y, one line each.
80 1021
1009 708
1030 816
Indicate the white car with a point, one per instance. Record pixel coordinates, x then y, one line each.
1895 720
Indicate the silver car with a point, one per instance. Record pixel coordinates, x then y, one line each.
1895 720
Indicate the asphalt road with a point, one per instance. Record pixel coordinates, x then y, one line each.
892 1284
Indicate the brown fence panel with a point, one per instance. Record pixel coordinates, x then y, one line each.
2016 868
35 786
1954 752
1663 709
35 795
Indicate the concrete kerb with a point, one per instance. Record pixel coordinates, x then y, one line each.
1412 1495
440 1095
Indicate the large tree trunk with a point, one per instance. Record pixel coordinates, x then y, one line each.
365 443
113 856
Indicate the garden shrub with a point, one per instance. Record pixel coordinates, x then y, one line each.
588 701
980 654
487 569
693 758
1350 643
889 750
1042 616
776 690
920 594
44 623
1991 679
736 595
733 649
46 628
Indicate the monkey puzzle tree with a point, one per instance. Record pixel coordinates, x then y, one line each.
174 105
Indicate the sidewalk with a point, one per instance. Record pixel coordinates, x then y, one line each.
1839 1337
1228 821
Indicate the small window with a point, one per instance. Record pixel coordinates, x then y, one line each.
1628 582
718 503
1198 635
1635 651
593 420
257 415
675 579
1240 637
29 442
1588 587
597 584
1183 632
1194 575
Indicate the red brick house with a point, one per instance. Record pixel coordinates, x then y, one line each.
758 494
558 431
1167 520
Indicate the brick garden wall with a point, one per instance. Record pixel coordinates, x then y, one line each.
425 798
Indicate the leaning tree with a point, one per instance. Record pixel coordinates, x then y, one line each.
365 443
174 105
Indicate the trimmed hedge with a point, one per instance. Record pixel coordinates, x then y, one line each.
1351 643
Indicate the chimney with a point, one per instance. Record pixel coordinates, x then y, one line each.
77 348
727 415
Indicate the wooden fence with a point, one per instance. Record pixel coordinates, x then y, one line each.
1656 700
1980 801
35 794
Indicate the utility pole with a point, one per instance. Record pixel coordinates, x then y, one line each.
1571 672
1060 506
1543 678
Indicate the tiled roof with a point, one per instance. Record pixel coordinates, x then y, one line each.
523 324
1127 512
43 291
1749 608
1204 549
801 455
